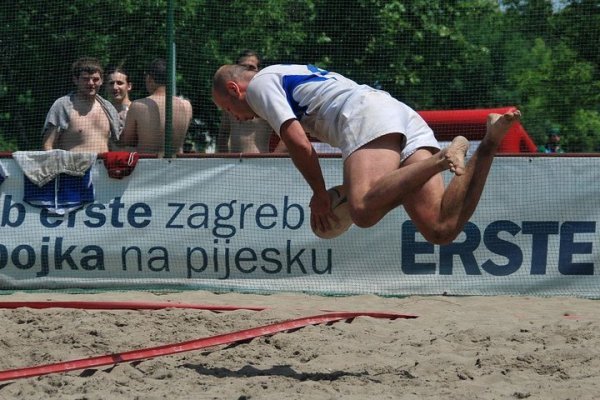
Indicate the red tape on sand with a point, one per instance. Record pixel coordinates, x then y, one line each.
229 338
121 305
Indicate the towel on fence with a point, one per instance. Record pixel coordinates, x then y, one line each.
120 164
61 195
57 180
42 167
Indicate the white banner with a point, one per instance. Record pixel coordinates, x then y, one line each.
243 224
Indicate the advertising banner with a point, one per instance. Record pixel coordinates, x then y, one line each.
244 224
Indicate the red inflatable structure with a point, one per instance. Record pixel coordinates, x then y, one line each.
447 124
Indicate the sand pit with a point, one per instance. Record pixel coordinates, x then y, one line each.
458 348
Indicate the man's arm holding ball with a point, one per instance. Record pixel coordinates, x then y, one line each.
306 160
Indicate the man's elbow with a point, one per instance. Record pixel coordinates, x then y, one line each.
299 148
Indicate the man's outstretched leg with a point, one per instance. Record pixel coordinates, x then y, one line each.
440 217
377 182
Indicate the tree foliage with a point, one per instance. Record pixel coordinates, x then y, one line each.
431 54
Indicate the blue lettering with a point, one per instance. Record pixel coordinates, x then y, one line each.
295 259
229 229
3 256
286 209
29 256
46 219
328 266
202 216
191 267
93 215
240 258
178 209
568 248
60 256
540 232
116 206
464 250
8 207
266 257
162 259
243 209
494 241
226 266
502 247
410 249
266 211
133 213
94 260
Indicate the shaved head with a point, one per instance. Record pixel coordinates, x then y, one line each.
229 90
228 73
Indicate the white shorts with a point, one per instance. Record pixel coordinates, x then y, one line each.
369 114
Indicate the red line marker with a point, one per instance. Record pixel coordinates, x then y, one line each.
228 338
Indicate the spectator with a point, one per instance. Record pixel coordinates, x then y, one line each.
552 142
252 136
145 123
117 90
250 59
82 121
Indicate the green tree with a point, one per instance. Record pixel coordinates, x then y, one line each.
547 76
432 54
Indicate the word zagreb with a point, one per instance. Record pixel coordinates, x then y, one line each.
224 219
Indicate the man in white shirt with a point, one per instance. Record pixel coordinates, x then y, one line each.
391 156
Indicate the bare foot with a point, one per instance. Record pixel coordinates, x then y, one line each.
499 124
454 155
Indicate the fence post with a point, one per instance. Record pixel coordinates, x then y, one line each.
169 151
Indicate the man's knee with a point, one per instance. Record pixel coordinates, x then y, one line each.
440 234
363 217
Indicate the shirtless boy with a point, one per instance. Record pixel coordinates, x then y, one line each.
82 121
145 123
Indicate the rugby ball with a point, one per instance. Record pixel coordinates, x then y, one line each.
341 209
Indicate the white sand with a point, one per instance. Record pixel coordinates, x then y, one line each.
458 348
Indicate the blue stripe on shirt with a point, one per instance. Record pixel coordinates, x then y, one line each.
291 82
